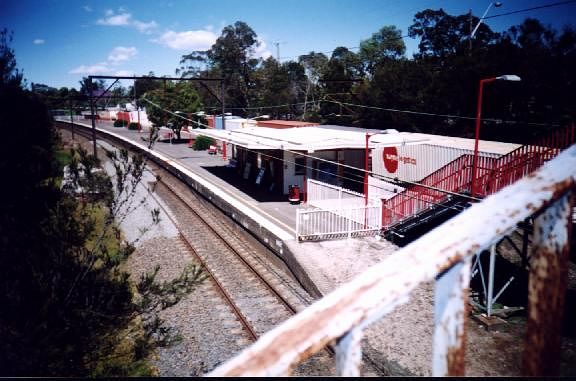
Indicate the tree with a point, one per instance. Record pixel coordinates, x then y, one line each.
386 44
143 86
279 84
67 306
314 67
232 58
443 35
342 70
9 73
96 88
172 106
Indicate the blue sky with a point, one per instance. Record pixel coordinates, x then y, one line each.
57 42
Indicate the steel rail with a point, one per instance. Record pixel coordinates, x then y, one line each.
219 286
223 240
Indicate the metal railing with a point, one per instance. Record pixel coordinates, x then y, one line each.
493 174
328 196
314 224
336 212
443 254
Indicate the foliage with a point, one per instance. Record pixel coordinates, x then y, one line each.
433 92
386 44
180 99
144 85
202 143
9 74
232 58
88 87
68 309
120 123
134 126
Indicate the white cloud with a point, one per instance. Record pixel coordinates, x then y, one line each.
261 50
91 70
122 19
145 27
124 73
120 54
189 40
38 41
87 8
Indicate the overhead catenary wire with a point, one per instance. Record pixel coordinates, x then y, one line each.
439 115
389 179
484 18
531 9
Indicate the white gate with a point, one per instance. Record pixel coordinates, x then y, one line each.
316 224
336 213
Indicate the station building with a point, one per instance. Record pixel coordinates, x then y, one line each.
275 158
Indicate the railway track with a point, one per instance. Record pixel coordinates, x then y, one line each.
260 295
244 282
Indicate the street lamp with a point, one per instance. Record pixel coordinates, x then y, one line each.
507 77
495 4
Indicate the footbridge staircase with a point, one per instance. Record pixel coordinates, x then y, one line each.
444 189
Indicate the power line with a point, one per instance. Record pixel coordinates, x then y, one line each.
531 9
439 115
389 179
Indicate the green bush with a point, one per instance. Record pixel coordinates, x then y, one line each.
202 143
134 126
120 123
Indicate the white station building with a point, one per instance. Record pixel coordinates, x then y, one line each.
274 159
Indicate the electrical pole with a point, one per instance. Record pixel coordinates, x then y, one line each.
92 116
71 116
277 43
470 31
223 106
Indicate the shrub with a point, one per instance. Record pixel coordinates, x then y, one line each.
202 143
120 123
134 126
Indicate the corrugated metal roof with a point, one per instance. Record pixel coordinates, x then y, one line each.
285 123
329 137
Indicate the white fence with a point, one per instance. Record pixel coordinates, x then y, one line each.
336 212
327 196
443 255
316 224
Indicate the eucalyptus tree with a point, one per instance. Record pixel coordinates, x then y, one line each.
232 57
343 70
314 65
172 106
383 46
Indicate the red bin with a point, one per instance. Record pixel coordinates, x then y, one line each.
294 194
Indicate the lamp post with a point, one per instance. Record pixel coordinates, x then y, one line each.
515 78
493 3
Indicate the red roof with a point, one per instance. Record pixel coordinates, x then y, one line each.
285 123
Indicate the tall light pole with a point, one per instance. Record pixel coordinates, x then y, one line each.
493 3
478 121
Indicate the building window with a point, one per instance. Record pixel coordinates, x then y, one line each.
300 166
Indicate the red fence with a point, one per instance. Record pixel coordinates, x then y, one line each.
492 175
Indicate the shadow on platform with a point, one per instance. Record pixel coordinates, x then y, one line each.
259 193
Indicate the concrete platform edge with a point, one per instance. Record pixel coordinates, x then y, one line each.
263 234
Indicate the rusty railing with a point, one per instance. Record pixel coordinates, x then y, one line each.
445 255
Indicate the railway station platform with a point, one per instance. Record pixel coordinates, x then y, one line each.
320 266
